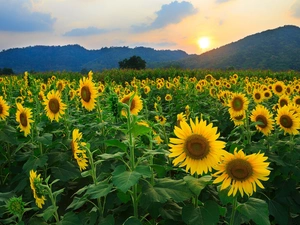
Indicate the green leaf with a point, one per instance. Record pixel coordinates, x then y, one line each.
256 210
70 218
144 170
279 212
223 195
56 193
48 213
112 156
109 220
46 139
116 143
138 130
165 189
196 185
132 221
123 179
99 190
33 162
4 196
77 203
207 214
65 172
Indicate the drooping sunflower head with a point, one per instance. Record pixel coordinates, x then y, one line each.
4 108
135 103
288 120
23 117
262 115
54 106
237 104
242 172
37 188
196 146
79 153
88 93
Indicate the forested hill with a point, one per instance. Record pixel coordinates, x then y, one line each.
76 58
276 49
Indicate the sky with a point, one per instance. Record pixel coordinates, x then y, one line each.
159 24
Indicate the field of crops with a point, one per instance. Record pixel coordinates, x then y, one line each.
164 146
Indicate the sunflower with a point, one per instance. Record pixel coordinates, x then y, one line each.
283 100
278 88
54 107
88 93
37 188
168 97
60 85
238 104
161 119
147 90
79 154
296 100
180 117
196 146
288 120
3 108
242 172
267 94
136 104
262 115
239 120
257 96
23 117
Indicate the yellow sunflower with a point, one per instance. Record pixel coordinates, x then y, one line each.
147 89
267 94
296 100
196 146
4 108
23 117
78 153
283 100
54 107
180 117
288 120
37 188
262 115
278 88
242 172
168 97
238 104
239 120
257 96
88 93
136 104
161 119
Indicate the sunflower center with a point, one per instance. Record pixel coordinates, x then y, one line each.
240 117
197 147
54 105
257 96
85 94
297 102
237 104
239 169
263 120
1 109
267 94
278 88
286 121
23 119
283 102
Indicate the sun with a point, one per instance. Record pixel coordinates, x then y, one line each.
204 42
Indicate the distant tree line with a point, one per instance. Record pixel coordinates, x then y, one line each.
6 71
134 62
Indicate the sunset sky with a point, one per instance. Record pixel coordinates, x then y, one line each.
159 24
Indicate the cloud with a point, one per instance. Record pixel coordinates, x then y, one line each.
221 1
295 9
85 31
168 14
17 17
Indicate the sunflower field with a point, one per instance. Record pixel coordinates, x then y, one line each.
160 146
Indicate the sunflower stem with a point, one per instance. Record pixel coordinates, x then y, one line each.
234 205
53 201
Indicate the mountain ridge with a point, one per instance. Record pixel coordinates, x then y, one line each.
273 49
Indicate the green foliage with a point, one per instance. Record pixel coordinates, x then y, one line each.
134 62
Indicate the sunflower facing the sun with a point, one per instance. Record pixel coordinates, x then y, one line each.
242 172
196 146
54 107
37 188
23 117
88 93
262 115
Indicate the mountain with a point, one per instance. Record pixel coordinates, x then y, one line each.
76 58
276 49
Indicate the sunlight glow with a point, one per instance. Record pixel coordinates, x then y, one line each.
203 42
